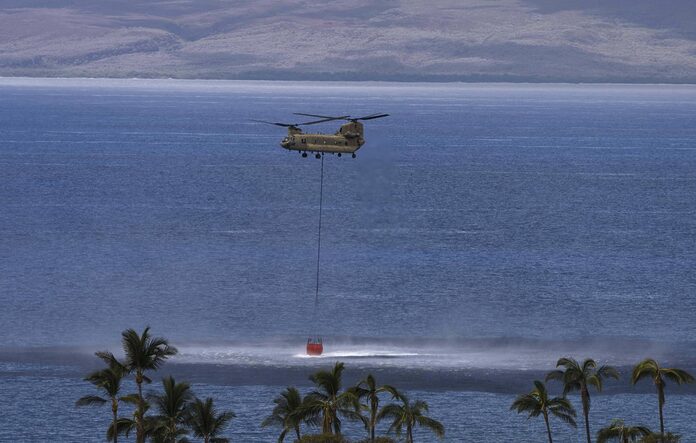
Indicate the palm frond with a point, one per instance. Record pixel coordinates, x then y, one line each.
646 368
131 399
390 390
588 365
89 400
527 403
111 361
556 374
389 411
124 426
607 371
679 376
432 424
596 381
567 362
566 418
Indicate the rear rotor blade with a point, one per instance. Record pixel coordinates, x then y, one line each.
370 117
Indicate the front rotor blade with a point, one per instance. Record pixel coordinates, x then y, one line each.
284 125
328 119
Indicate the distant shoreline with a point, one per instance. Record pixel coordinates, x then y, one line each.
143 81
340 78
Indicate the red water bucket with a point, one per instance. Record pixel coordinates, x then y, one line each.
314 346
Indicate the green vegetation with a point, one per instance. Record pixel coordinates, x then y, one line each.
537 403
175 414
657 438
108 381
286 414
618 432
323 438
649 368
577 377
367 389
205 421
172 406
178 411
409 415
143 353
327 402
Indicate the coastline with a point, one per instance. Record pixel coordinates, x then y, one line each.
161 81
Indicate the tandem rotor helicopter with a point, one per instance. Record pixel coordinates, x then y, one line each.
347 140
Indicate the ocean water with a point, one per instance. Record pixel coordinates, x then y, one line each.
482 232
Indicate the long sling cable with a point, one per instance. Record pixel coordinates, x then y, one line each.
321 200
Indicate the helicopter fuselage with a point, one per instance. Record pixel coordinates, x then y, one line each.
347 140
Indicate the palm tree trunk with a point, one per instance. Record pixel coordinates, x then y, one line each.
114 410
586 411
140 430
409 434
297 431
548 428
373 423
661 395
326 425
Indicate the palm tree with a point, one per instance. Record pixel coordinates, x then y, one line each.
578 377
143 353
287 413
368 389
126 425
206 423
537 403
650 368
655 437
108 380
328 401
410 415
172 406
618 432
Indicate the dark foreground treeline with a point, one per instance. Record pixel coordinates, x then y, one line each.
574 376
175 414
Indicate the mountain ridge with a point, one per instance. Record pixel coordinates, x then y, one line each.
389 40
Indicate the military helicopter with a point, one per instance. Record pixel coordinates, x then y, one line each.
347 140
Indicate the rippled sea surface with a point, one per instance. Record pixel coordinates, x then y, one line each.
482 232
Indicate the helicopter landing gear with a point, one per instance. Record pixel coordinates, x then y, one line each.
317 156
304 155
354 155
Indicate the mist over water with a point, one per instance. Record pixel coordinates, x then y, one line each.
482 230
506 354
